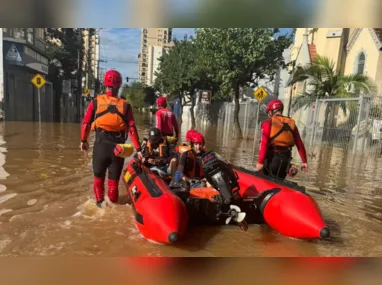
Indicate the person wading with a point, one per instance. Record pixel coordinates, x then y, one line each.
278 135
166 120
112 120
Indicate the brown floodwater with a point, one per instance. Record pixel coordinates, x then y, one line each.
47 207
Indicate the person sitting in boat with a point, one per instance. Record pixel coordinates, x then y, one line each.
278 135
159 154
190 168
166 121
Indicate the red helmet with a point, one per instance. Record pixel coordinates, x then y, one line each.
112 79
193 136
273 105
162 102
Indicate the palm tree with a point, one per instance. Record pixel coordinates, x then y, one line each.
325 82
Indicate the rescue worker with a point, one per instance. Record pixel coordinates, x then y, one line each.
112 120
159 154
190 167
166 121
278 135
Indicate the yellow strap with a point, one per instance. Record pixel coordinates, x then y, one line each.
127 150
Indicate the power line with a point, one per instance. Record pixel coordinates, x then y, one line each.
116 60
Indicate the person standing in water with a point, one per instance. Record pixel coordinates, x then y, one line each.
278 135
112 120
166 120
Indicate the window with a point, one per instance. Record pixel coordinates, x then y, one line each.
361 63
40 33
30 35
17 33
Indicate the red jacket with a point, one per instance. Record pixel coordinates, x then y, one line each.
265 135
166 122
130 129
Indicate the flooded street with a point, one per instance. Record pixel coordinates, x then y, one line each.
47 206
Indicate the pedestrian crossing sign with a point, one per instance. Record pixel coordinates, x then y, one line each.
260 94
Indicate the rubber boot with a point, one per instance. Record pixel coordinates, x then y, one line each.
99 190
112 190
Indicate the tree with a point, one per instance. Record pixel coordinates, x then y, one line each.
240 57
150 96
179 73
138 94
67 53
63 59
325 81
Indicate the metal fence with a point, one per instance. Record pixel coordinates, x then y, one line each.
352 124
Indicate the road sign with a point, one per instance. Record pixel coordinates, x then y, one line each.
86 92
260 94
38 81
13 54
205 96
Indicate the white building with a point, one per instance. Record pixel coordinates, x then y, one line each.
154 53
97 56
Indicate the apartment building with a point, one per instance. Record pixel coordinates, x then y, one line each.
90 54
91 49
153 56
151 38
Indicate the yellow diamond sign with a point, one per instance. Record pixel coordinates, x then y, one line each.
86 92
38 81
260 94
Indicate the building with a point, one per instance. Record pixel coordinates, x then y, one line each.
151 37
90 54
153 56
24 56
91 50
353 50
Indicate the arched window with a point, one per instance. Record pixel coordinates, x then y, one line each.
361 63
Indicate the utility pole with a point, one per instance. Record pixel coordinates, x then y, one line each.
79 75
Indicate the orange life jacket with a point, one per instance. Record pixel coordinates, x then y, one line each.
191 165
163 149
282 131
182 148
110 113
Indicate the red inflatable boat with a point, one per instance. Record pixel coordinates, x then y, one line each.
284 205
238 196
160 215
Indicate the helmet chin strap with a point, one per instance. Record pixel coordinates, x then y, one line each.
274 112
112 91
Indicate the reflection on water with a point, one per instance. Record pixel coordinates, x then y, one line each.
47 205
